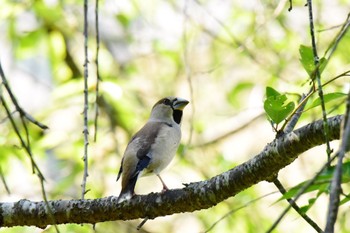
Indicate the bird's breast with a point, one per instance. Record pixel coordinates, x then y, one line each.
164 148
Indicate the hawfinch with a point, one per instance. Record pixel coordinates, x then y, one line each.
152 148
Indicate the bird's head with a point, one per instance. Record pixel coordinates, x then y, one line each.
169 108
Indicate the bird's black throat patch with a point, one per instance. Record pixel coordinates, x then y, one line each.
177 115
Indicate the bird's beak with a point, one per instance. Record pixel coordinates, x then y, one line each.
180 104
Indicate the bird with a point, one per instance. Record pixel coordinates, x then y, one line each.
153 147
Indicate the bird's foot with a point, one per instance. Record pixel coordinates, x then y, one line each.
165 188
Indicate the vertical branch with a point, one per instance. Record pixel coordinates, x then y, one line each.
289 128
333 205
86 104
318 78
98 78
289 125
335 188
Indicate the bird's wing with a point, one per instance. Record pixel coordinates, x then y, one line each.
120 169
144 139
138 154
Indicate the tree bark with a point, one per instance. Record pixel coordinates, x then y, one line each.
194 196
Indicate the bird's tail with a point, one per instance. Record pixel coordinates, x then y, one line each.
128 190
124 195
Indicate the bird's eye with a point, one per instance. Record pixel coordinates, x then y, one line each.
166 102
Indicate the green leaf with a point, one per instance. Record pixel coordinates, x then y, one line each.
307 60
327 98
321 184
345 172
345 200
271 92
276 107
322 65
305 208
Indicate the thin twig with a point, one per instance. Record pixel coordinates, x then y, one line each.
290 5
6 118
313 224
330 28
24 124
334 44
4 181
14 101
29 152
49 209
289 128
17 132
318 78
296 116
142 223
98 77
86 104
301 192
344 74
25 145
335 192
304 100
9 115
320 92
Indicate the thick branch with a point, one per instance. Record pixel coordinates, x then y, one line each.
195 196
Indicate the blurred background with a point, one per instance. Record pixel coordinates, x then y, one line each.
220 55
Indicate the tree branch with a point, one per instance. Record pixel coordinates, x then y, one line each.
195 196
335 187
86 103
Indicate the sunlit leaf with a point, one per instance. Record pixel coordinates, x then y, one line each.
305 208
344 200
321 183
322 65
276 106
307 60
327 98
271 92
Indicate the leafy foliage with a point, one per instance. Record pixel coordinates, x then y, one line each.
276 107
328 98
220 56
321 185
308 61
